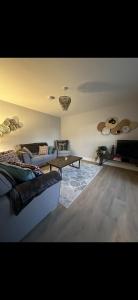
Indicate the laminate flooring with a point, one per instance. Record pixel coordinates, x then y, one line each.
106 211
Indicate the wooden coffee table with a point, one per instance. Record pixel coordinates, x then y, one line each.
62 161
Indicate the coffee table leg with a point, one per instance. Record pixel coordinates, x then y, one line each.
79 164
71 165
60 169
50 168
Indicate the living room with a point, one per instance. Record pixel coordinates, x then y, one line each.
98 90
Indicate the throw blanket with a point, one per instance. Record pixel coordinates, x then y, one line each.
36 170
23 193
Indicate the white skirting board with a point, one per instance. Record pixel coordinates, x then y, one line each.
117 164
123 165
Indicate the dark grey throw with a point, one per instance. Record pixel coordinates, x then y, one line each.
23 193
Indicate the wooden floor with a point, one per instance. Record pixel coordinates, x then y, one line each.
107 211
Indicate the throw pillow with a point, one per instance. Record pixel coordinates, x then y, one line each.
28 151
9 155
18 173
43 150
51 149
61 146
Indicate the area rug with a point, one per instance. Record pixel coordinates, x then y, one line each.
74 181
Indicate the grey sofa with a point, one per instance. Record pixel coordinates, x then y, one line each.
35 158
14 228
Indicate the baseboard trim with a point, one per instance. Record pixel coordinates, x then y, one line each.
117 164
89 159
122 165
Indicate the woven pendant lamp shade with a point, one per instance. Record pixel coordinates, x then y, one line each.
65 102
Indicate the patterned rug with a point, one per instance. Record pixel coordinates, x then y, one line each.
74 181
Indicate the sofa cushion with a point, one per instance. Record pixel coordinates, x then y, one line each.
38 159
42 159
18 173
9 155
43 150
28 151
24 157
52 156
64 153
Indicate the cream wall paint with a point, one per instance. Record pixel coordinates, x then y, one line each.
82 131
38 127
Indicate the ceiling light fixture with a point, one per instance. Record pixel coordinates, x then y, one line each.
63 100
51 97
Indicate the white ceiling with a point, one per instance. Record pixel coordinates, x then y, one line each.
92 82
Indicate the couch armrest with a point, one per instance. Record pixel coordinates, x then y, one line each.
23 193
5 184
24 157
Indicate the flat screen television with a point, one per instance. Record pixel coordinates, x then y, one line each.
128 150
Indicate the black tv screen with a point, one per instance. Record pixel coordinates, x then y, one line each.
127 149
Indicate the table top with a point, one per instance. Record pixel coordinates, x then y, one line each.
63 161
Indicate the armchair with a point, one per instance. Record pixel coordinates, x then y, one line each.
62 147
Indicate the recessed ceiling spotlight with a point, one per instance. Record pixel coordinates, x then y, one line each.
51 97
65 88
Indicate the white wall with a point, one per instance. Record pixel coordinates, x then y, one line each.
38 127
82 131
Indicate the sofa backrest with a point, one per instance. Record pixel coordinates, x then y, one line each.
61 144
33 147
9 155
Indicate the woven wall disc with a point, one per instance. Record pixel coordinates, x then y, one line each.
125 129
117 129
115 132
20 124
6 122
16 119
6 129
111 122
3 128
100 126
133 125
124 122
106 131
